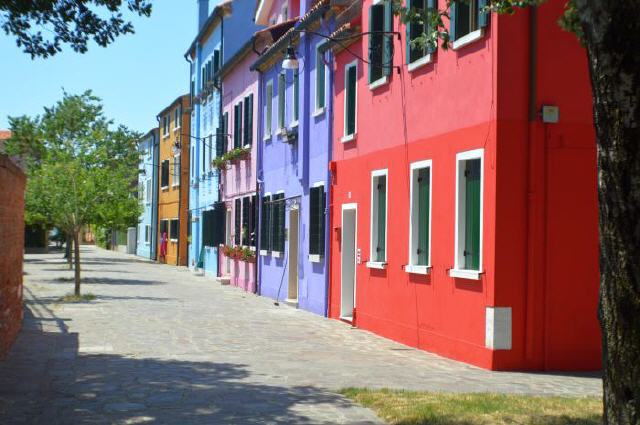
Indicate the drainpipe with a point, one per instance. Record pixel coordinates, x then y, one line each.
179 199
259 182
158 197
186 58
328 196
220 120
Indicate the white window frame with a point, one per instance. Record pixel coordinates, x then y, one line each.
268 119
147 191
373 228
457 271
175 176
171 239
264 252
317 109
177 119
278 254
412 266
317 258
147 234
348 137
282 114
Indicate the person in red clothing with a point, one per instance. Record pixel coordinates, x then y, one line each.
163 247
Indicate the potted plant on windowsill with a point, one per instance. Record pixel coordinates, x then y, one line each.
220 163
247 255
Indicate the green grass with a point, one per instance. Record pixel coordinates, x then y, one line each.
427 408
71 298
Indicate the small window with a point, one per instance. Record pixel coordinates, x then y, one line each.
469 184
420 214
164 178
317 202
265 230
380 44
216 64
467 17
147 234
237 125
268 111
296 96
247 134
164 227
238 221
379 216
281 100
246 221
417 28
320 79
277 222
173 230
175 181
350 89
176 118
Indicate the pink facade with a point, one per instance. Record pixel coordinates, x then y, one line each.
238 179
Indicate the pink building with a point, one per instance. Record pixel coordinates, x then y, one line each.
238 177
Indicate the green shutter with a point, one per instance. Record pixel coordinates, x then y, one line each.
351 100
238 223
472 215
281 102
281 223
246 222
320 79
371 44
296 95
408 34
482 16
218 224
269 105
254 219
235 126
265 227
239 131
382 218
248 111
452 21
313 220
387 46
424 186
321 219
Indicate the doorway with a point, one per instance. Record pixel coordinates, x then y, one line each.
293 255
228 218
348 262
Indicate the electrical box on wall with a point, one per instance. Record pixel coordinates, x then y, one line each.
550 114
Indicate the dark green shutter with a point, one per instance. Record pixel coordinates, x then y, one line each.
452 21
205 228
408 34
321 219
296 95
482 16
248 113
382 218
313 220
372 39
424 184
278 222
320 79
225 132
246 212
281 101
245 127
254 220
239 125
387 46
218 222
238 224
431 8
265 227
352 79
472 214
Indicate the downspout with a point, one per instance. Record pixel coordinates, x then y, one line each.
158 196
259 181
329 194
186 58
220 121
179 200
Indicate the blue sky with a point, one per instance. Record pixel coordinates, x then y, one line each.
136 76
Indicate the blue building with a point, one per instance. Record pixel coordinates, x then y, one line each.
149 150
221 34
295 150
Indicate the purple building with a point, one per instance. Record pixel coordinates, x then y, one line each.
294 152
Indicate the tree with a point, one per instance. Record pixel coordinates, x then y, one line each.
79 171
69 22
610 31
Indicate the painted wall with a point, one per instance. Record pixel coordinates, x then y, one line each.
149 151
293 168
476 98
239 180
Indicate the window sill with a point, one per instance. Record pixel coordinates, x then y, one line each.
173 240
319 111
164 188
247 146
315 258
468 39
276 254
175 129
264 252
165 136
465 274
417 269
281 131
175 185
267 138
348 138
293 124
378 83
376 265
425 60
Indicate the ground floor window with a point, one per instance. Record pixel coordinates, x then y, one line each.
378 252
420 214
265 229
237 211
174 229
469 183
277 222
317 202
147 233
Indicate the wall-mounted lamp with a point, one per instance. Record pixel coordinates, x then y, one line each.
290 60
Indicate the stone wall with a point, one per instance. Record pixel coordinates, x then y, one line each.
12 231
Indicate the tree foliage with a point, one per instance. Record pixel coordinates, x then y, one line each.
42 27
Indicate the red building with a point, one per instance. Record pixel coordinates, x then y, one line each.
464 220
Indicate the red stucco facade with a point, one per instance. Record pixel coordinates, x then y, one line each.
539 250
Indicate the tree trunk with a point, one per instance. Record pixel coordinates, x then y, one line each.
612 38
76 246
68 253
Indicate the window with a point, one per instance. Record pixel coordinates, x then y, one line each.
173 229
380 45
147 234
148 194
237 125
248 121
468 230
246 221
175 179
177 118
320 80
416 29
221 142
268 112
378 253
317 202
213 227
467 20
281 100
265 230
277 223
165 126
164 178
216 64
204 155
420 218
192 90
193 161
296 97
350 90
237 213
164 227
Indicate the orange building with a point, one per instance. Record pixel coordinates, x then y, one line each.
173 199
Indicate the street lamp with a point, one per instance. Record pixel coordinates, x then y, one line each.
290 61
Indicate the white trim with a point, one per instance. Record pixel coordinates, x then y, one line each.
264 252
381 265
276 254
293 124
318 112
414 167
318 184
417 64
379 82
465 274
417 269
374 175
315 258
315 91
350 206
468 39
269 107
348 137
457 270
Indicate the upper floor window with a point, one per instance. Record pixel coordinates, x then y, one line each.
350 96
177 121
417 28
237 125
247 126
164 174
268 109
281 101
175 180
296 97
165 126
317 203
321 72
380 44
467 20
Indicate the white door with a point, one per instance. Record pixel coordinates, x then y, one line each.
348 260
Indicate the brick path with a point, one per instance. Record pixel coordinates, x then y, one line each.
160 345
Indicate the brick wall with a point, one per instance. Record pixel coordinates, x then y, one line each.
12 245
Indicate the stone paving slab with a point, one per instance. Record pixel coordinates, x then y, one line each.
162 346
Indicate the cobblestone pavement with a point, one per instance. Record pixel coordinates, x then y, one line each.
160 345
